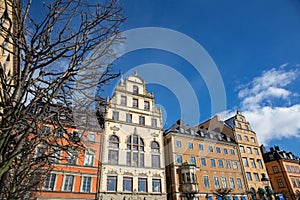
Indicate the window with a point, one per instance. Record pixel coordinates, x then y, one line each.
111 183
232 152
88 158
249 150
49 181
212 162
135 103
200 147
275 169
216 182
234 165
256 151
225 151
210 149
218 150
146 105
239 137
86 184
154 147
135 153
260 165
247 127
91 137
40 151
292 168
142 120
123 100
193 160
249 177
178 144
72 158
115 115
246 138
203 161
224 182
154 122
135 89
155 161
128 118
293 182
298 182
68 183
239 125
45 130
253 139
113 157
245 162
54 155
142 184
220 163
190 145
206 182
156 185
127 184
280 183
242 149
256 176
288 168
239 183
252 163
178 159
231 183
228 164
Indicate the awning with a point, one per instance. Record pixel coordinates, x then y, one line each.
235 198
280 196
219 198
243 198
209 198
227 197
261 190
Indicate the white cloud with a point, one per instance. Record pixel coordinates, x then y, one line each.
263 102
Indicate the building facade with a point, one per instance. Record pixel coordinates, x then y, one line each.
75 174
284 172
251 159
200 163
133 155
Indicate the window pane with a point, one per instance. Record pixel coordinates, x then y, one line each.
113 156
86 184
127 184
156 161
112 183
68 183
142 186
156 186
49 181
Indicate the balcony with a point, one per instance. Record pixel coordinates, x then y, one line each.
188 178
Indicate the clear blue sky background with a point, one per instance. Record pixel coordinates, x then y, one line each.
256 47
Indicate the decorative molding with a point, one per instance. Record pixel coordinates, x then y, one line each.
142 174
114 128
128 173
112 172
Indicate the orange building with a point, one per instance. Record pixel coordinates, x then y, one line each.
75 176
284 172
199 162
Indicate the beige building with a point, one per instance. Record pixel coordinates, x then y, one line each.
133 155
251 158
8 61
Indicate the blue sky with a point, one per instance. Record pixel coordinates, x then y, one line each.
255 46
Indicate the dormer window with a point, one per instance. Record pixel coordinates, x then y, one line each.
181 130
211 135
220 137
202 134
135 89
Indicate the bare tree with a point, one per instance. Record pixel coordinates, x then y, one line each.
223 192
60 52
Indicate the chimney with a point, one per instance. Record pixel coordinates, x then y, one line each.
277 148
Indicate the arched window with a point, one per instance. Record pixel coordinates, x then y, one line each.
113 152
155 147
135 153
114 141
135 89
155 157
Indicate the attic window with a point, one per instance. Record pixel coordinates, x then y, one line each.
220 137
192 132
135 89
202 134
211 135
181 130
228 139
